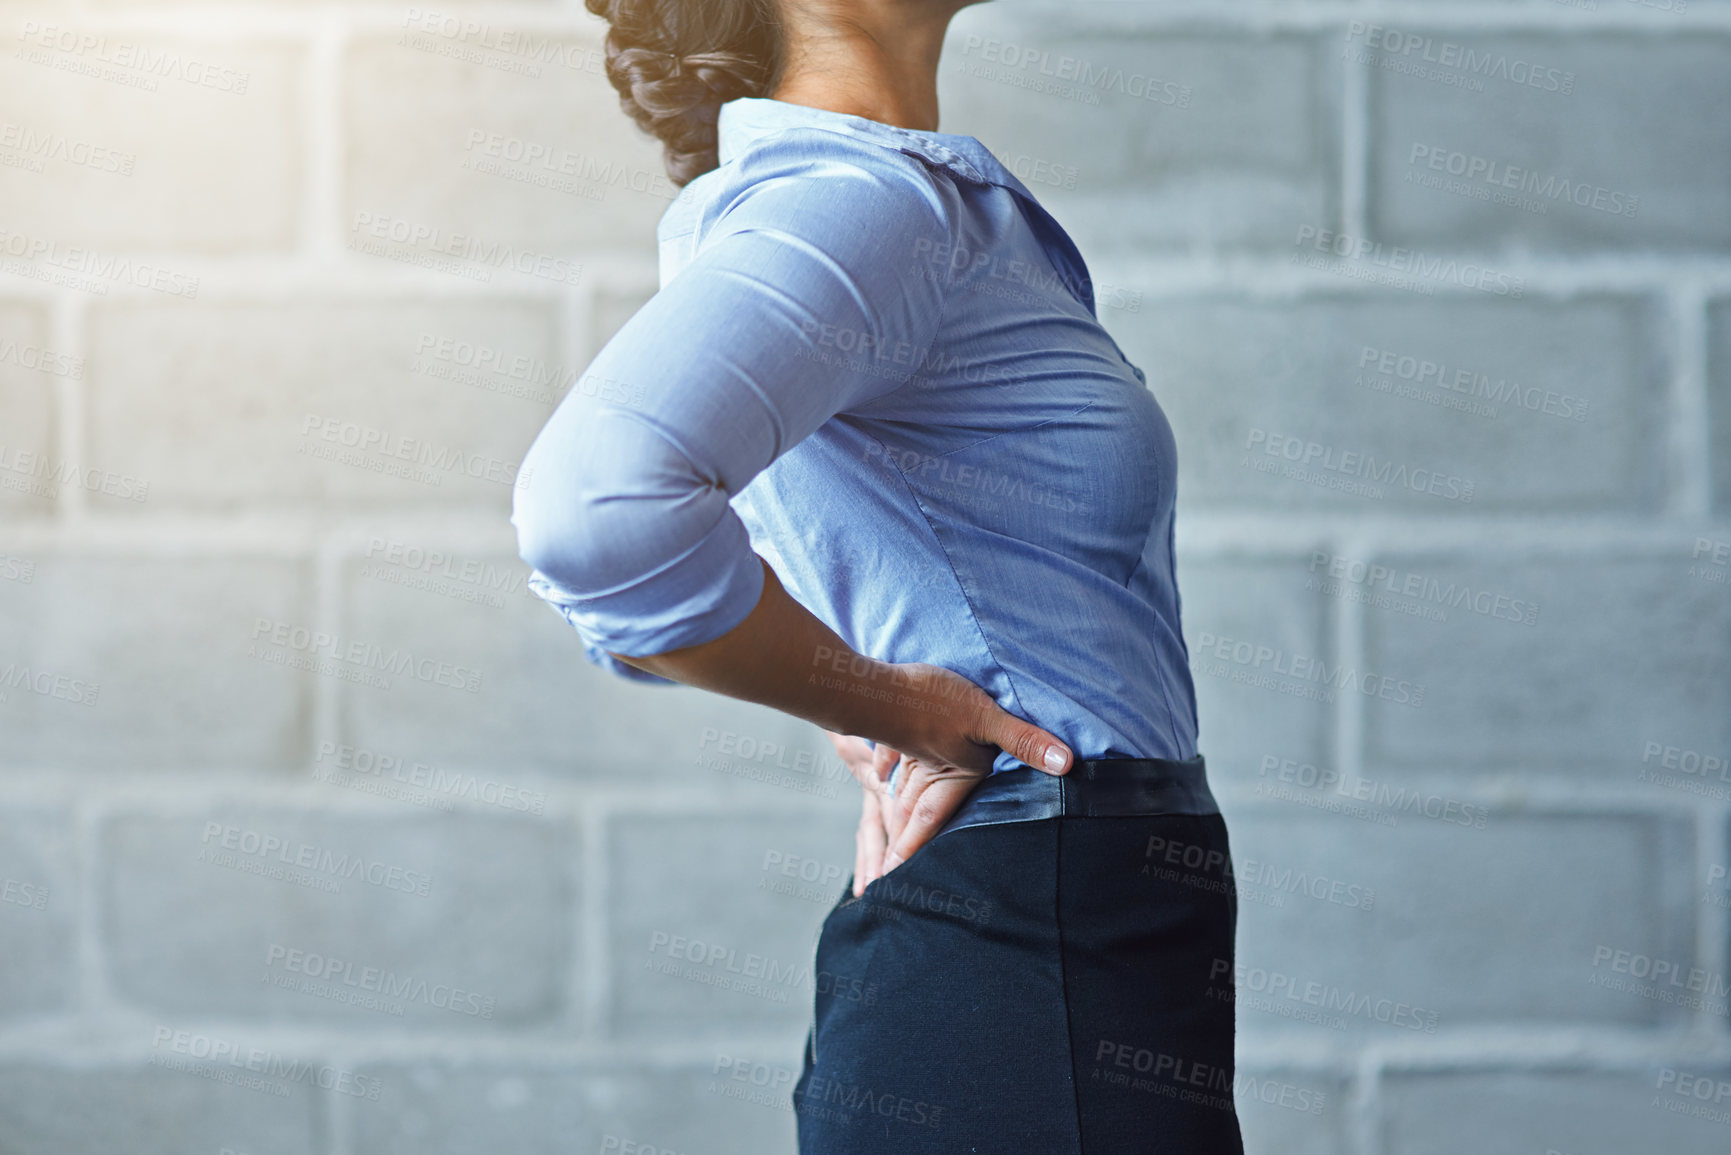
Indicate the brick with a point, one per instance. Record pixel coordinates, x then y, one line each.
1626 651
164 376
1719 400
1263 603
1619 134
475 146
479 904
713 883
1500 925
38 911
1235 142
125 663
1572 1112
206 162
70 1109
1291 1110
1250 386
553 1109
29 367
540 704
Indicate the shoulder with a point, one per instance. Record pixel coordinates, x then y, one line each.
828 184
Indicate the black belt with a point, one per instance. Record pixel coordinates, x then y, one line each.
1094 788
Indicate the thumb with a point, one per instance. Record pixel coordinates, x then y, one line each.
1029 744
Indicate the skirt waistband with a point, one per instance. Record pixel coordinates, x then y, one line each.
1094 788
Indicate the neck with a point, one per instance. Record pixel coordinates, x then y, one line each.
877 59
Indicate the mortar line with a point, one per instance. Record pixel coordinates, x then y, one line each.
67 331
321 150
1364 1105
328 605
93 999
337 1125
1354 147
1712 847
1688 440
592 973
1348 637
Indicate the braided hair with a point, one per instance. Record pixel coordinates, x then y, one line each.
676 62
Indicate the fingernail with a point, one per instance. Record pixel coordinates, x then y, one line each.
892 860
1054 758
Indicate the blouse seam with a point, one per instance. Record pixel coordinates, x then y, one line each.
703 235
1019 429
1160 667
943 302
961 586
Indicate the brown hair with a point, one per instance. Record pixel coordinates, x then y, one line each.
676 62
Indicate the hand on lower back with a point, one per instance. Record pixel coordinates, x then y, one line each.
952 735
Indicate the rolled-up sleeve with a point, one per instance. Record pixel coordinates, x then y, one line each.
807 298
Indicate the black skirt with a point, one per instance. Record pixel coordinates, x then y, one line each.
1050 975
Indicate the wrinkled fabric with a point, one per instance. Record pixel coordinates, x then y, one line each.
874 361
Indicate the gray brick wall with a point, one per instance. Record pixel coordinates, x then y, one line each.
260 897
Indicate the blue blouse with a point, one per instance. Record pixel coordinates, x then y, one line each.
874 360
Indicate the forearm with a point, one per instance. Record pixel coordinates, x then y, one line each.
782 656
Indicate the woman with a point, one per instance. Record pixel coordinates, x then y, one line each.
869 458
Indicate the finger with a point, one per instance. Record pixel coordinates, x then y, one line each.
895 806
869 844
861 842
1028 744
886 810
859 852
854 751
884 762
866 766
880 775
937 800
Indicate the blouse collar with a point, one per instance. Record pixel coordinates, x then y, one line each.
749 119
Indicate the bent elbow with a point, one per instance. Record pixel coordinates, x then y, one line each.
600 520
547 513
536 544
